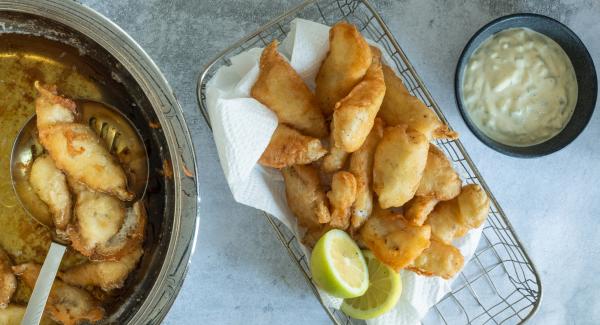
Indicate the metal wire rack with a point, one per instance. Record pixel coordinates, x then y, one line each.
499 285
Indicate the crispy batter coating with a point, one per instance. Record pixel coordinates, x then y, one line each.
341 197
312 235
8 282
66 304
398 165
438 260
439 179
75 148
418 209
400 107
98 239
290 147
281 89
354 115
334 160
361 165
346 63
393 240
305 196
13 315
452 219
50 185
107 275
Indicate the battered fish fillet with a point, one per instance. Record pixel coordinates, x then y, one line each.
13 315
418 209
305 196
52 108
346 63
452 219
290 147
354 115
98 217
439 179
77 151
107 275
400 107
334 160
50 184
438 260
281 89
393 240
398 165
66 304
8 282
341 197
361 165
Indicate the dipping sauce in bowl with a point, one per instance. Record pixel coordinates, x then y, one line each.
519 87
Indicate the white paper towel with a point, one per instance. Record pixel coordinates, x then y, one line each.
242 128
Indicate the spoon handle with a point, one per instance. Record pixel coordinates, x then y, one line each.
43 284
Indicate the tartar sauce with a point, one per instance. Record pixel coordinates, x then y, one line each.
519 87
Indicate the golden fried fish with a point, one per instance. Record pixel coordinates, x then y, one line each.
75 148
334 160
107 275
341 197
305 196
400 107
393 240
418 209
281 89
439 179
398 165
438 260
66 304
452 219
290 147
13 315
354 115
361 165
346 63
8 282
50 185
312 235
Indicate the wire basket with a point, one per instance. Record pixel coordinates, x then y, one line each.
499 285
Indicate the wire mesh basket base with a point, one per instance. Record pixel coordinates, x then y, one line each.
499 285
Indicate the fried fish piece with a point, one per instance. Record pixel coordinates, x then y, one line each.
66 304
52 108
8 282
334 160
79 152
439 179
50 185
400 107
398 165
361 165
13 315
107 275
418 209
452 219
305 196
354 115
290 147
98 217
281 89
312 235
393 240
346 63
341 197
438 260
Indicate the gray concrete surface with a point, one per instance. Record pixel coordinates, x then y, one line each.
240 273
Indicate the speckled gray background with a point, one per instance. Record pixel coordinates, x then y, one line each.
240 273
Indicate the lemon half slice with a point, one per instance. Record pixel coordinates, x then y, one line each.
385 288
338 266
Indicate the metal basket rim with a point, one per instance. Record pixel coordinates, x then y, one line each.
292 12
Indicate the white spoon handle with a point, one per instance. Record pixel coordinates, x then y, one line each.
43 284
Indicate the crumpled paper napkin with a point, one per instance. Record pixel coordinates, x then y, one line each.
242 128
